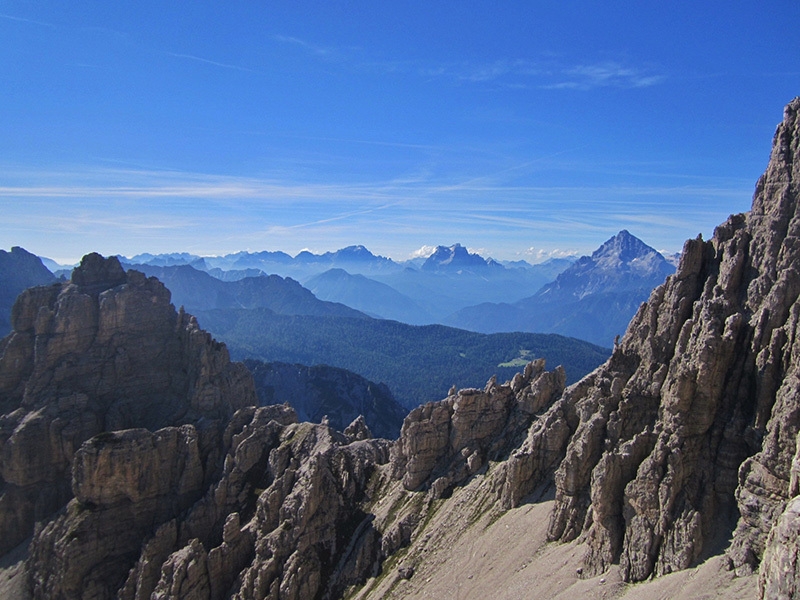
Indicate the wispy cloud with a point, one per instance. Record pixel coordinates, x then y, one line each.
93 209
606 74
210 62
423 252
536 255
549 74
23 20
544 72
314 49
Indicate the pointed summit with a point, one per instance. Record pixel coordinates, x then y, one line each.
625 252
453 258
623 246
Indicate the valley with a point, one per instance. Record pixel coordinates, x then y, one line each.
137 461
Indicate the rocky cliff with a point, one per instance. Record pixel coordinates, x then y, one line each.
692 423
103 352
683 445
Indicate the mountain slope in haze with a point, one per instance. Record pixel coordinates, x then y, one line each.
19 269
593 299
353 259
453 278
670 471
321 392
424 290
623 263
418 363
367 295
197 291
457 258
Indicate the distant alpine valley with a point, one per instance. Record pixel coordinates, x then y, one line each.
382 319
138 461
590 298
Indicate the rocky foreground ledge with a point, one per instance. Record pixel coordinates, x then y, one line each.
133 455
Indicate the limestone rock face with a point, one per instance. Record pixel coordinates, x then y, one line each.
780 575
692 423
103 352
282 518
123 482
443 443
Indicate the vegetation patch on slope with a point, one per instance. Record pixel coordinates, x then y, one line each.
419 364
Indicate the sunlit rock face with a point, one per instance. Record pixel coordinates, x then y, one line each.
687 434
103 352
691 425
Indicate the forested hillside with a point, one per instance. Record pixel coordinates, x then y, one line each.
418 364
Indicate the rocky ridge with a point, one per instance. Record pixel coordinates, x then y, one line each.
103 352
687 433
691 425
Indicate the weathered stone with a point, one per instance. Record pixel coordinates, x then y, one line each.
779 577
443 443
104 352
357 430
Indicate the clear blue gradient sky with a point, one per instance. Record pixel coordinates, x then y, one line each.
519 129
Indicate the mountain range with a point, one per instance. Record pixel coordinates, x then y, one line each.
198 291
593 299
418 292
135 462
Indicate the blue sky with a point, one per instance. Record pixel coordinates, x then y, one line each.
519 129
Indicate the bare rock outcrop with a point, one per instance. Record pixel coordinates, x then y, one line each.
692 423
123 483
103 352
282 519
686 435
443 443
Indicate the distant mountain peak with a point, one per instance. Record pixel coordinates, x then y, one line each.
454 257
358 252
622 252
622 262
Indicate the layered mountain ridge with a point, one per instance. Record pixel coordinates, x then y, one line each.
686 435
418 291
19 269
592 299
103 352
